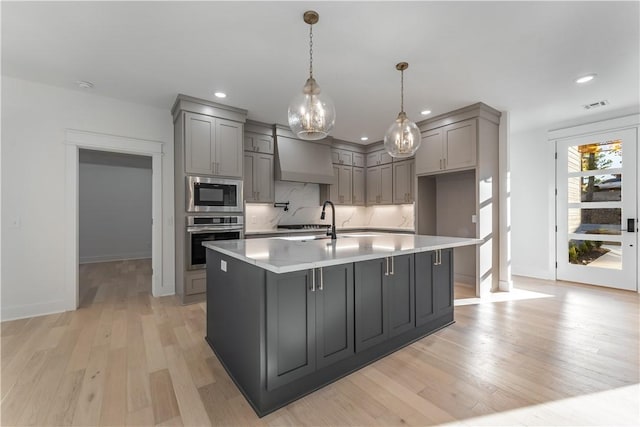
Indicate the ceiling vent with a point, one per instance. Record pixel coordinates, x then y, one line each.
595 105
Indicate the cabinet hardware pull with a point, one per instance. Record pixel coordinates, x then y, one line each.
392 266
386 272
313 280
321 280
258 197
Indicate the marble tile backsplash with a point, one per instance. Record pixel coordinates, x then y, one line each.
305 208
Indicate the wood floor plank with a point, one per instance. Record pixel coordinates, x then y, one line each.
152 344
165 405
65 399
90 401
114 408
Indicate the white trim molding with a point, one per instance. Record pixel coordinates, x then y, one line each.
74 141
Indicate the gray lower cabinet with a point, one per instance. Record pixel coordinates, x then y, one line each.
384 299
434 284
309 321
281 336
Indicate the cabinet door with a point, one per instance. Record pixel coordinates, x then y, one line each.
334 189
371 310
358 195
460 145
249 192
443 283
291 326
386 183
258 143
358 160
401 294
403 182
228 148
424 264
373 185
199 135
373 159
344 185
334 313
430 153
434 285
263 177
385 158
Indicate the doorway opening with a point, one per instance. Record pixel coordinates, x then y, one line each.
81 140
114 207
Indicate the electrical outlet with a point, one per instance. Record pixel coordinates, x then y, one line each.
223 265
474 219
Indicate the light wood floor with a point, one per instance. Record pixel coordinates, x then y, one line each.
125 358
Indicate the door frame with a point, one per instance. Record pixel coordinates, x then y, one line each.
631 121
76 140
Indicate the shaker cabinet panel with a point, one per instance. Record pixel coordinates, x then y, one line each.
199 144
386 184
212 146
370 303
358 195
344 185
434 284
258 142
334 313
258 177
358 160
450 147
403 178
373 185
229 148
401 290
291 323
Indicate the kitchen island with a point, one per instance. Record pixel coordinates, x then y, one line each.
286 316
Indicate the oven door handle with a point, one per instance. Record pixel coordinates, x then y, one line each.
201 230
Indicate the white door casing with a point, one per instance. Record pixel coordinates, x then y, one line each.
75 140
597 193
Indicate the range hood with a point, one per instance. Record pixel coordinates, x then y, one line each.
303 161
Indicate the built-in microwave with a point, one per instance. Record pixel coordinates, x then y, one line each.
207 194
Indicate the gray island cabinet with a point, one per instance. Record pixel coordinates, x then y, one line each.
286 317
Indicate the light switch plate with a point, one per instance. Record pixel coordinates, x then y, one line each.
474 219
223 265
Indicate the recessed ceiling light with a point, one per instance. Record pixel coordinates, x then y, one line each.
84 84
220 95
586 78
364 138
425 112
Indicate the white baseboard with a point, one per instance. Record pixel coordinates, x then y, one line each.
116 257
32 310
505 285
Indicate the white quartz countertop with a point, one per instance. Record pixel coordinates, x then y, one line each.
285 254
323 230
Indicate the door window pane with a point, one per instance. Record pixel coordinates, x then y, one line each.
595 188
594 221
596 253
595 156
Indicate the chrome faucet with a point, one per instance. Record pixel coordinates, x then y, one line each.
330 232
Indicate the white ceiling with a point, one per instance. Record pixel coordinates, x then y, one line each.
520 57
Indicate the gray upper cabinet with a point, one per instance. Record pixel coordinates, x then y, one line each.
380 185
358 178
358 160
258 177
258 142
378 158
213 146
403 178
448 148
339 193
342 157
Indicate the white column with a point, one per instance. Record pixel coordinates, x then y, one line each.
504 171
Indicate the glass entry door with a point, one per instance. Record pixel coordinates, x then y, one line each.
596 210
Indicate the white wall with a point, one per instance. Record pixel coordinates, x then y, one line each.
34 119
114 204
532 204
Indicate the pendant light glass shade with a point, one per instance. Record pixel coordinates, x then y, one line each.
403 136
311 113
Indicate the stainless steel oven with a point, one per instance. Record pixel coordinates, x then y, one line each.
208 194
207 228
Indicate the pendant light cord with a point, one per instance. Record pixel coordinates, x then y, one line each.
402 90
311 50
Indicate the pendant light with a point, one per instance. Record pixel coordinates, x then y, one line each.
403 136
311 113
